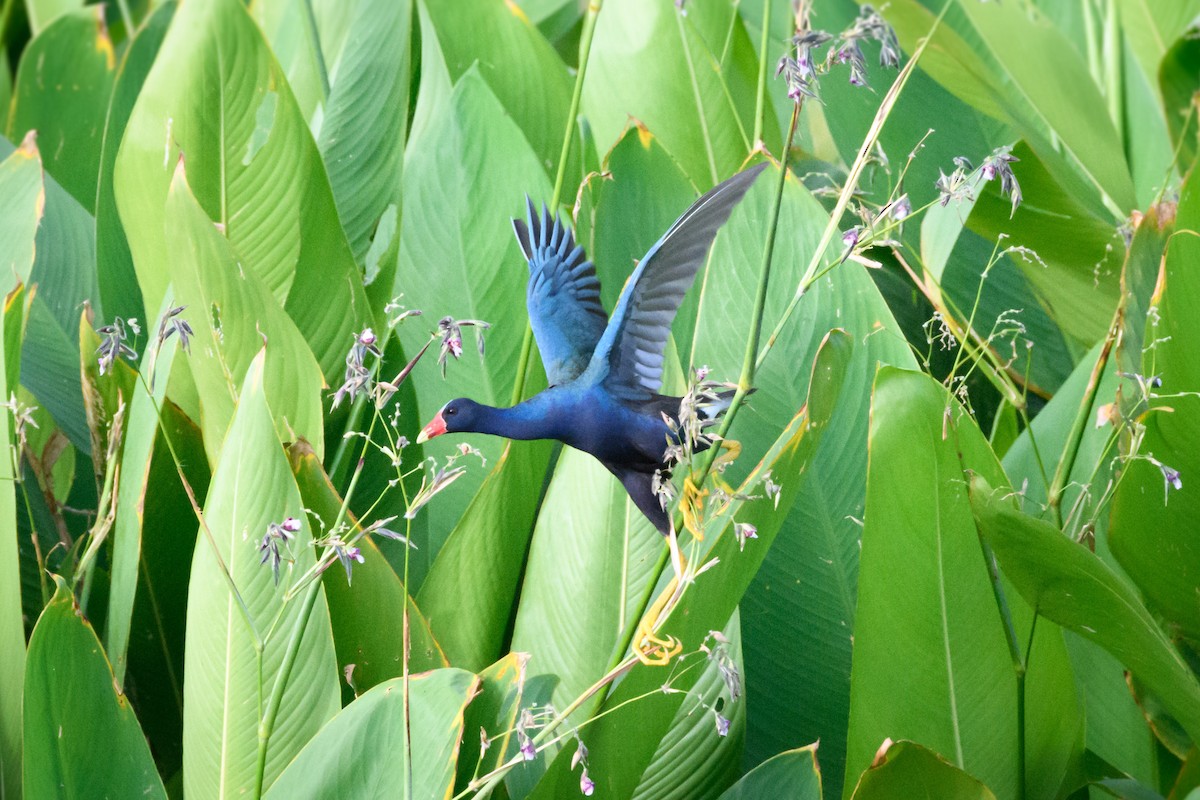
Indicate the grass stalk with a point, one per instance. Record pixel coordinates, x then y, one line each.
1066 463
760 101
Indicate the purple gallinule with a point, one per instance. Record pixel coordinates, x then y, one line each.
604 373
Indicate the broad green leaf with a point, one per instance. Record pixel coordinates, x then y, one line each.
690 763
233 312
24 201
624 740
61 281
141 431
519 66
1178 83
366 750
71 706
1071 586
257 173
12 623
356 607
119 289
1151 28
807 581
471 590
590 558
42 12
493 713
360 119
227 679
471 167
1139 279
1045 92
792 773
62 91
157 631
909 770
925 601
1152 523
654 64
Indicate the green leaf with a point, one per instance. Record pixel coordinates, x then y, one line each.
157 631
71 705
65 279
792 773
493 712
227 680
623 741
1178 82
365 751
470 592
519 66
1071 586
807 581
1152 523
360 126
661 67
258 174
691 763
1045 92
12 622
42 12
591 556
374 653
925 601
141 431
62 91
119 289
233 313
909 770
24 201
468 140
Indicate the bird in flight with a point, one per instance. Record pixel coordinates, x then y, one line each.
605 372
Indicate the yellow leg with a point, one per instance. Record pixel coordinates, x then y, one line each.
650 648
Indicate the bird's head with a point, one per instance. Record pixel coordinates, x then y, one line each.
457 415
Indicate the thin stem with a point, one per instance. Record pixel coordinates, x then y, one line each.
314 40
749 364
760 102
267 724
1065 464
127 18
585 49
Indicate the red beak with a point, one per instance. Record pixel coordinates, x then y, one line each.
436 427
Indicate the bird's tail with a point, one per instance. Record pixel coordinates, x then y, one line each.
718 407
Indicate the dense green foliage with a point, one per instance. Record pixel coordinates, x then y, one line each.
958 544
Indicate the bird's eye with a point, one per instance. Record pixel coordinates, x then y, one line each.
450 411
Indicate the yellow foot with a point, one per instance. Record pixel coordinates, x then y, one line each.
650 648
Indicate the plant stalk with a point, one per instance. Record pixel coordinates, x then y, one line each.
760 102
1067 463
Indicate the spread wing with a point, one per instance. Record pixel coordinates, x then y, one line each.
629 355
563 296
